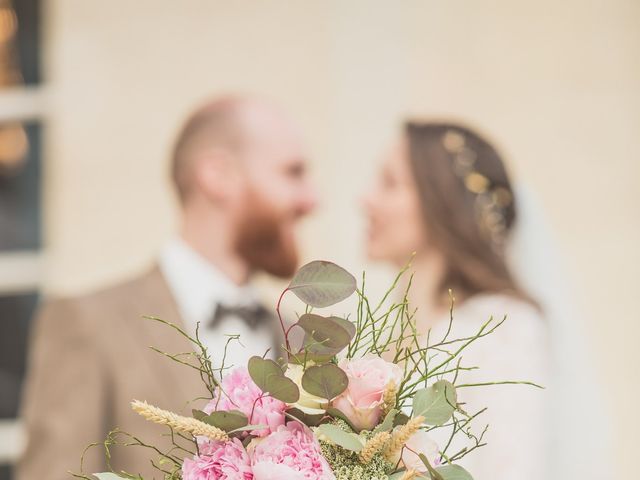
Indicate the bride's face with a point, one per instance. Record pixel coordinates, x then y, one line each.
396 227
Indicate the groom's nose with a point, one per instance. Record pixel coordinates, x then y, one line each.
307 201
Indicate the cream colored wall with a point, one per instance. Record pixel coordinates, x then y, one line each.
557 83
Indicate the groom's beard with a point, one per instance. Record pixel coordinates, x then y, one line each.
266 241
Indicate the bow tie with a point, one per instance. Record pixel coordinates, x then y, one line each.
252 314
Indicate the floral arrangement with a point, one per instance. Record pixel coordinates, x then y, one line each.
355 400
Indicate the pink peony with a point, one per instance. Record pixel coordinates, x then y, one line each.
241 393
290 453
368 377
218 461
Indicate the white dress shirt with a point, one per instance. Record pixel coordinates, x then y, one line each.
198 287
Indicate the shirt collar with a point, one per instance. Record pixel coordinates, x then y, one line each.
198 285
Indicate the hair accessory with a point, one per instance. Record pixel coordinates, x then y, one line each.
491 201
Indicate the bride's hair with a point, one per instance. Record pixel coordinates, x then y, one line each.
468 206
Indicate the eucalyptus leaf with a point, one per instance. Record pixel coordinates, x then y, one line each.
348 325
283 389
400 419
261 369
310 420
107 476
321 284
453 472
435 403
347 440
329 332
334 412
198 414
397 475
325 381
270 378
387 424
248 428
400 474
227 420
312 353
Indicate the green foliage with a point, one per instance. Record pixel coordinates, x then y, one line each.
346 464
228 421
453 472
337 414
435 403
332 333
325 381
322 284
387 423
347 440
431 368
270 378
308 419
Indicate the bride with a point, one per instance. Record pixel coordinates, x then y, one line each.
444 195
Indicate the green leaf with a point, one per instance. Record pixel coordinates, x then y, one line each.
435 403
227 420
198 414
400 474
321 284
107 476
397 475
261 369
328 332
348 325
248 428
334 412
270 378
400 419
346 440
306 418
387 423
283 389
453 472
312 353
325 381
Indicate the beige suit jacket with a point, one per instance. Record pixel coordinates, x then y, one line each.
89 358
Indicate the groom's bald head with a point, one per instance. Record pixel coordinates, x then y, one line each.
215 125
240 163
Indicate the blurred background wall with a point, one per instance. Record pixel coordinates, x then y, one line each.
556 84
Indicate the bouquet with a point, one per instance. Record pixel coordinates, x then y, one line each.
353 400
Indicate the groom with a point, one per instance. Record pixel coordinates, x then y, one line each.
239 170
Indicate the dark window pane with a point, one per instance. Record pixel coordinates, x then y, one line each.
19 42
20 172
28 39
16 312
5 472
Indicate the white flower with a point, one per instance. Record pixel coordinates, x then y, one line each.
419 442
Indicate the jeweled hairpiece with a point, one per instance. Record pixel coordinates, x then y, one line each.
491 201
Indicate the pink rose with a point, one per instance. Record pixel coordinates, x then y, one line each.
368 376
241 393
218 461
290 453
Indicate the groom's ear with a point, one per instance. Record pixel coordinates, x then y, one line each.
217 175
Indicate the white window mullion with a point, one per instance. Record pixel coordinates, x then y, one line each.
12 440
22 104
20 271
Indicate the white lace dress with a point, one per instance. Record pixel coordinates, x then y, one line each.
519 427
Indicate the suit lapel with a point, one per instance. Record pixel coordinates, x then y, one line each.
177 383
